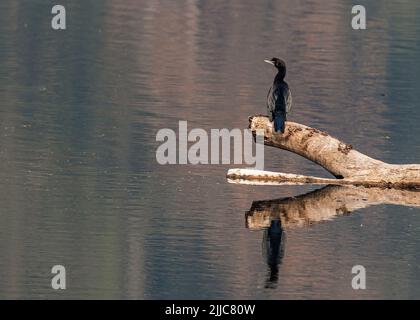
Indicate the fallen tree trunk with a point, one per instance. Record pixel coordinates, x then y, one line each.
324 204
339 158
260 177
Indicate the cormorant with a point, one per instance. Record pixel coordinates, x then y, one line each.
279 98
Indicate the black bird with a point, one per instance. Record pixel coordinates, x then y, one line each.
279 98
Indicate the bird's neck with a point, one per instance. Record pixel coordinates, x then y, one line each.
279 77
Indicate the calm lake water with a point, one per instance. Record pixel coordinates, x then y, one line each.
79 181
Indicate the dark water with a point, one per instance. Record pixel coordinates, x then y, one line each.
80 185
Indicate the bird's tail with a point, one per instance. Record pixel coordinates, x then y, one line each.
279 120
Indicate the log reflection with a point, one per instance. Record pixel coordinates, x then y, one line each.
274 216
324 204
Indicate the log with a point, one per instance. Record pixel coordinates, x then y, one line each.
340 159
324 204
260 177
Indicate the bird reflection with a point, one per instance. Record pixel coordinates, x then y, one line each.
273 250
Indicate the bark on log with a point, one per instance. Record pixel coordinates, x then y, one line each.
324 204
337 157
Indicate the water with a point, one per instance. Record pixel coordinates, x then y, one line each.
80 185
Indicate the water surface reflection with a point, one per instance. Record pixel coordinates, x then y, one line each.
321 205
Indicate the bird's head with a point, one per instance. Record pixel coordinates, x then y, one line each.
279 64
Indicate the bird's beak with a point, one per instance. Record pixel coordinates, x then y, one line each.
269 61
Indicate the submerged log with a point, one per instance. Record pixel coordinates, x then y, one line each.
340 159
325 204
